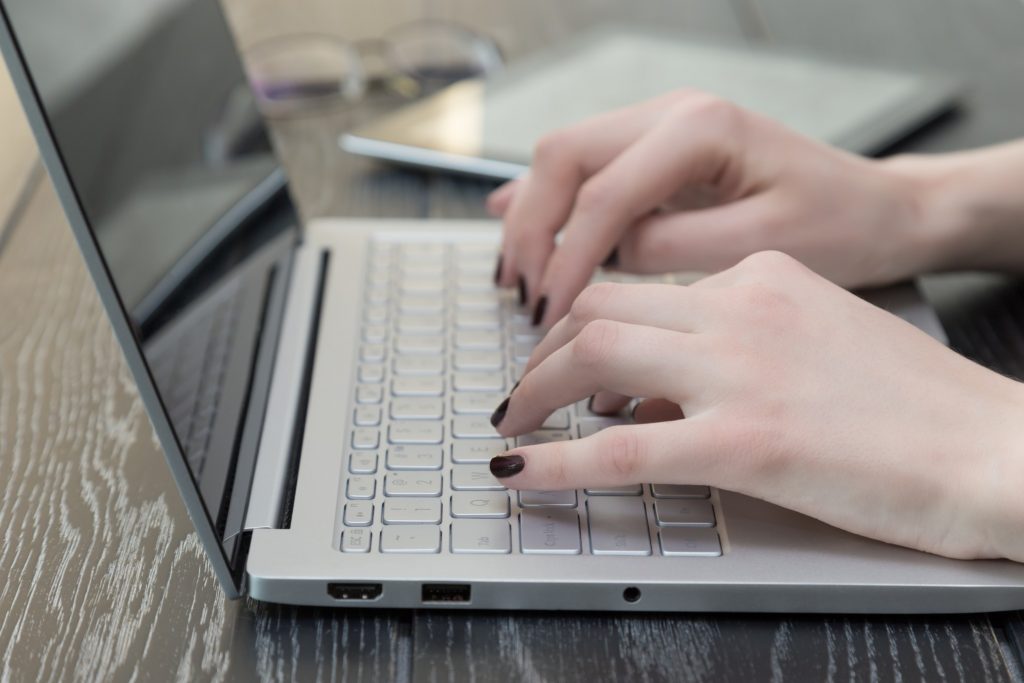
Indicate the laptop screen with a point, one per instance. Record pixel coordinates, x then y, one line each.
171 165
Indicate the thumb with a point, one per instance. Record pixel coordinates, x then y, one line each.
498 201
666 452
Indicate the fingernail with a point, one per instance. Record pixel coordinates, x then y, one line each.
499 413
522 291
497 269
613 259
503 466
538 313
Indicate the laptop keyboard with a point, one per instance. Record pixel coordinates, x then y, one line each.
440 349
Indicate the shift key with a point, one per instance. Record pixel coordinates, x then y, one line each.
618 526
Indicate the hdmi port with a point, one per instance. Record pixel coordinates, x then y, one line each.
355 591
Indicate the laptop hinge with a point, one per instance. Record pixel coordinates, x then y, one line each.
285 413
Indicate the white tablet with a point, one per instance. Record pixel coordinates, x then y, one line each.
489 128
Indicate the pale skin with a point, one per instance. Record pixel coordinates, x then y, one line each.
794 390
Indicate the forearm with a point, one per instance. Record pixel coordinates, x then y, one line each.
971 206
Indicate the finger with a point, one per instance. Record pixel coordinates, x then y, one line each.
656 410
605 356
707 240
681 150
608 403
498 201
671 452
670 307
562 162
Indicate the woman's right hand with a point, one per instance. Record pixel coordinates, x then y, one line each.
689 182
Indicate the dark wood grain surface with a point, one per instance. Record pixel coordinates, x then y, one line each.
104 579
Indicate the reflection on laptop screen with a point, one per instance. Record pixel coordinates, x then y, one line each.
171 164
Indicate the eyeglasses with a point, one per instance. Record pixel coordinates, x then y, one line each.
297 73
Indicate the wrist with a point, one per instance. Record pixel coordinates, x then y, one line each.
967 208
1001 506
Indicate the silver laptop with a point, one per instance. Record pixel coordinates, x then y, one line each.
322 396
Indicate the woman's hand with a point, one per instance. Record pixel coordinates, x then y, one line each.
794 391
690 182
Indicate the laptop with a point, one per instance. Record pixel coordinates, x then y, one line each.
489 127
322 394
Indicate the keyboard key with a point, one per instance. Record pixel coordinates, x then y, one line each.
426 286
481 536
528 499
558 420
550 531
473 427
481 504
478 301
679 491
412 484
472 403
420 323
415 458
416 431
371 373
375 315
689 542
477 320
417 409
478 360
479 340
362 463
592 425
375 334
474 478
367 416
361 488
358 513
634 490
369 393
365 438
419 365
417 386
618 526
522 350
412 511
413 538
356 540
540 437
420 344
372 353
477 451
684 512
479 381
426 305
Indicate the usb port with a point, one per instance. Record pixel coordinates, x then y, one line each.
355 591
446 592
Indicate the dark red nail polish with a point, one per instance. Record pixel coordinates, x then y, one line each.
499 413
497 269
522 291
507 465
538 313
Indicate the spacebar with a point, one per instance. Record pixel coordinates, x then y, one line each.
618 526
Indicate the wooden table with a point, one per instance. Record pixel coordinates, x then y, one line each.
102 575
